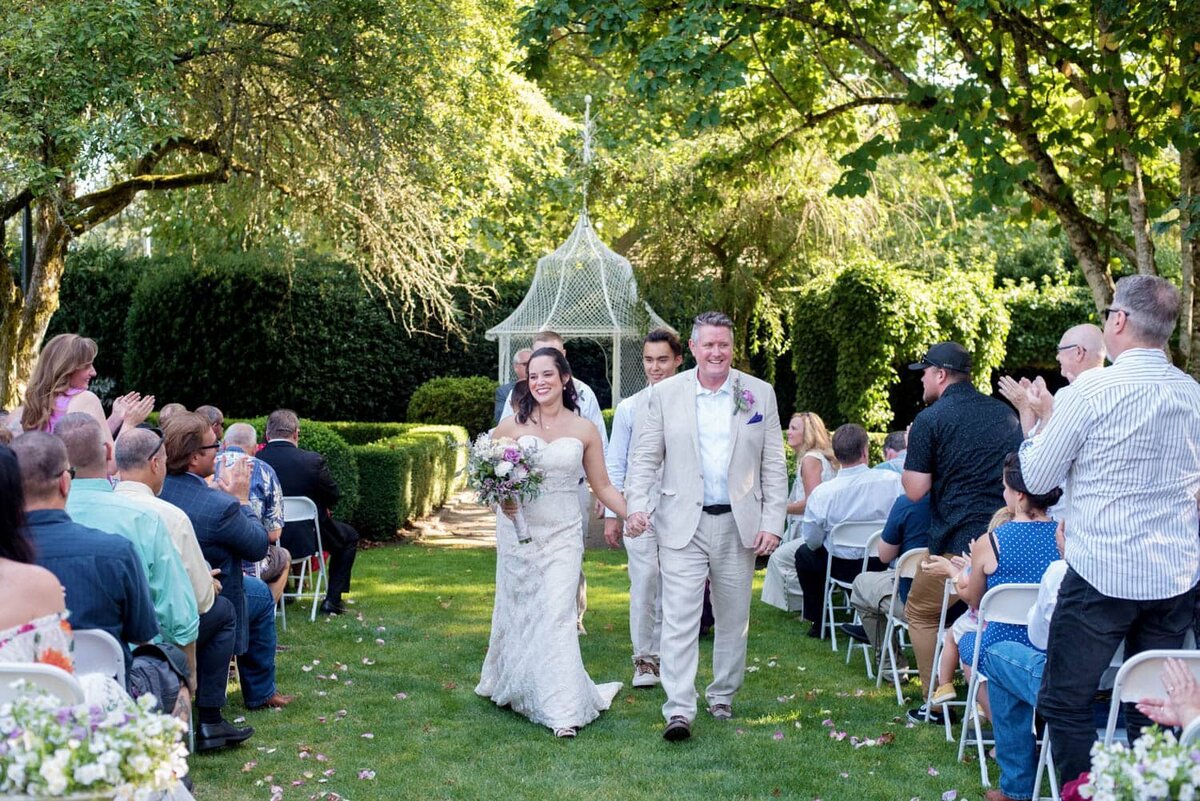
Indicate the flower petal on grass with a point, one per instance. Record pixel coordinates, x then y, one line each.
777 735
950 795
932 771
366 774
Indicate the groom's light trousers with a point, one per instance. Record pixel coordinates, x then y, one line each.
715 552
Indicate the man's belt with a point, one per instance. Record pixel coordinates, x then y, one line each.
718 509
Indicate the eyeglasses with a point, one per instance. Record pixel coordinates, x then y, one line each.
70 471
212 447
1110 310
1061 348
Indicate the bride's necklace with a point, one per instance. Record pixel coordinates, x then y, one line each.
545 424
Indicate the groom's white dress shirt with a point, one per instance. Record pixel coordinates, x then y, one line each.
714 414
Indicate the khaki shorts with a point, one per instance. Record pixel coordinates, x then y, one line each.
271 566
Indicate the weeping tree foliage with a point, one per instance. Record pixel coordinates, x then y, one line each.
369 125
1083 113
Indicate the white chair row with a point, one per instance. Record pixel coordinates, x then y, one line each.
308 581
850 534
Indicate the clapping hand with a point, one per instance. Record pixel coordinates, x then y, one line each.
132 409
1182 704
235 479
945 568
1015 392
1041 402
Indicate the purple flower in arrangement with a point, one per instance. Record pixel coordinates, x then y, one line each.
743 399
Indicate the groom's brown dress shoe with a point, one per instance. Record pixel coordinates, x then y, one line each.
721 711
678 728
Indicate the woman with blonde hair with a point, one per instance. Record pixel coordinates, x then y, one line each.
808 437
59 386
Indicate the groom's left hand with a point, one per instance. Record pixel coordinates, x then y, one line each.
765 543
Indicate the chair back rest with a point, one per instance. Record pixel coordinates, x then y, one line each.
50 678
854 533
908 564
1140 677
872 549
1008 603
301 526
97 651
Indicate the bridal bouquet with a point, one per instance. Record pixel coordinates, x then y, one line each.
502 470
48 751
1156 768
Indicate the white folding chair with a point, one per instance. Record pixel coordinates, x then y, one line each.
53 680
1140 677
949 598
850 534
1007 603
872 550
907 566
299 509
97 651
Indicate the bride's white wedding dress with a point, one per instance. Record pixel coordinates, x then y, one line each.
533 664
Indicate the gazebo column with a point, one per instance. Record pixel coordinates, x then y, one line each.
505 358
616 370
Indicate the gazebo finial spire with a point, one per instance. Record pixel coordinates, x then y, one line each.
589 131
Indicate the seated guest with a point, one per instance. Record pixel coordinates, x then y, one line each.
266 499
171 408
808 437
895 448
215 418
103 577
93 503
305 473
907 528
142 464
33 611
856 493
1014 671
228 533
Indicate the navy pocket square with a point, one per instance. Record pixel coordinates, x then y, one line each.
757 418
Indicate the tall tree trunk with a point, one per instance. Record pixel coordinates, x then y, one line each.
1189 252
24 317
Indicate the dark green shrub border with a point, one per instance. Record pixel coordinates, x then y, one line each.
467 402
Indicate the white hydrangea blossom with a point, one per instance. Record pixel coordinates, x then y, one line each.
1156 768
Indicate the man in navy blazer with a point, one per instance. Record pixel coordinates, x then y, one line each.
228 533
305 473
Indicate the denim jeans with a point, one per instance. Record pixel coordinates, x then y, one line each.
1014 672
257 665
1084 634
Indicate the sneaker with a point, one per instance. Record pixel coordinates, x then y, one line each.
721 711
918 715
944 694
855 632
645 674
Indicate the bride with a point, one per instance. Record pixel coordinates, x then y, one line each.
533 663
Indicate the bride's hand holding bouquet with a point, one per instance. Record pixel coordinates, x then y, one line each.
505 473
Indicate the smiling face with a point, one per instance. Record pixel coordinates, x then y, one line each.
713 350
795 433
545 381
659 361
82 377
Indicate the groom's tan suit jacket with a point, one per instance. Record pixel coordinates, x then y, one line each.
667 436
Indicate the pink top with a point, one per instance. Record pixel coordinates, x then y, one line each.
60 409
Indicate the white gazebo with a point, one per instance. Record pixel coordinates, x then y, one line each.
583 290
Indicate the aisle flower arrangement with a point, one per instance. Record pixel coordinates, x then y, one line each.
1156 768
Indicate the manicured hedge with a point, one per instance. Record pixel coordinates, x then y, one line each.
467 402
407 476
366 433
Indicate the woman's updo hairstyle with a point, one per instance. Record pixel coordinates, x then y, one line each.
1014 479
526 402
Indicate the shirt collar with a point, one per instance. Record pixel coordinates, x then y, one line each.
726 388
1141 354
958 387
854 470
44 516
285 441
134 487
91 485
197 478
232 449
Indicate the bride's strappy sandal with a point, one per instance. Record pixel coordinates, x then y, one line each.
566 731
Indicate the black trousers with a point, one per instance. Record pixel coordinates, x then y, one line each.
810 570
1085 631
342 551
214 648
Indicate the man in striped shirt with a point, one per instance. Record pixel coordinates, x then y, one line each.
1126 442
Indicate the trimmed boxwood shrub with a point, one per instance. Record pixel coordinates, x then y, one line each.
366 433
343 465
467 402
407 476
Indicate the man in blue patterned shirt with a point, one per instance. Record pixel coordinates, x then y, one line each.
266 501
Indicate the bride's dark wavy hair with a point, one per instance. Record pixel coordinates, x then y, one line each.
526 403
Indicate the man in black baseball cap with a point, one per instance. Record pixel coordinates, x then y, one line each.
956 450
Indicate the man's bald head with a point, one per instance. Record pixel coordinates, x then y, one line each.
42 459
134 448
242 435
1080 348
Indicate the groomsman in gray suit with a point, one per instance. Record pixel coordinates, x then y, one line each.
714 433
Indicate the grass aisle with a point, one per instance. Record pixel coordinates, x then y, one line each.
401 719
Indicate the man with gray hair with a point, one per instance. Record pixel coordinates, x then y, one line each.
105 583
1125 440
303 472
266 501
142 467
520 364
93 503
215 418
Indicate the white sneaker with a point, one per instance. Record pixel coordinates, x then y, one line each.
645 674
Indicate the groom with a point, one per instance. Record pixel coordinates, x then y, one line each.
715 434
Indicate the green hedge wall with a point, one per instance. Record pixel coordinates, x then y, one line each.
468 402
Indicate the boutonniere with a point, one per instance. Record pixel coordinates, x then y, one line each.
743 399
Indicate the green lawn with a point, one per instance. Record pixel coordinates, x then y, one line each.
402 705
